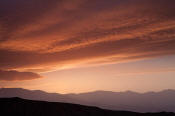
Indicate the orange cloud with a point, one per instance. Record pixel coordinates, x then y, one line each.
13 75
53 35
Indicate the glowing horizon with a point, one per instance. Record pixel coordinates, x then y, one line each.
76 45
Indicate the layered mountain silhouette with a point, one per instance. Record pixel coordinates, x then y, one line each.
22 107
127 101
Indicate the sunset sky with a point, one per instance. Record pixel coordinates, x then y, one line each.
73 46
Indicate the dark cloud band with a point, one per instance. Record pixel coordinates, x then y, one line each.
13 75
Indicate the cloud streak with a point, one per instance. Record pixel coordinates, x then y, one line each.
46 35
17 76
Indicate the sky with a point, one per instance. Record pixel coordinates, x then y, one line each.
73 46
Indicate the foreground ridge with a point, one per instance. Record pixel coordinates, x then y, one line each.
22 107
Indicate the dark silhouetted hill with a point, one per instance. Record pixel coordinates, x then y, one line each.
124 101
22 107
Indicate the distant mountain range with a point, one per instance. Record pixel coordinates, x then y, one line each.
130 101
22 107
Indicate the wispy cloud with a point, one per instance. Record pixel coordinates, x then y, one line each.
45 35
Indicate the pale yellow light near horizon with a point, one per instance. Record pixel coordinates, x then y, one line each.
140 76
